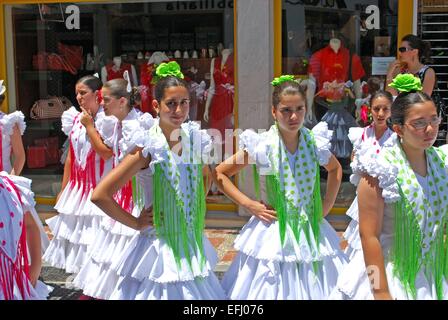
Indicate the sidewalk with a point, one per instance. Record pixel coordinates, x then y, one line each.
221 239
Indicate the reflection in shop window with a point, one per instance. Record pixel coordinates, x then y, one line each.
56 44
335 47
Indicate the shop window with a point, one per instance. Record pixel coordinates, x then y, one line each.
50 55
319 38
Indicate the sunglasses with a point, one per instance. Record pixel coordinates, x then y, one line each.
404 49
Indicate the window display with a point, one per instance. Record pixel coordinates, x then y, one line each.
332 46
113 38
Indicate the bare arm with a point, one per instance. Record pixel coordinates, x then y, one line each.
371 211
17 151
208 178
429 81
228 169
103 194
393 70
67 170
34 247
333 183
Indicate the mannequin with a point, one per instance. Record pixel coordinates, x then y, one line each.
115 70
220 92
219 105
329 73
146 74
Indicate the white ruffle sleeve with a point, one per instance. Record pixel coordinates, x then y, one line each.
355 136
107 127
152 146
386 173
68 120
322 136
10 120
258 148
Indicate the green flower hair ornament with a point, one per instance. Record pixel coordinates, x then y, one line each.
406 83
169 69
279 80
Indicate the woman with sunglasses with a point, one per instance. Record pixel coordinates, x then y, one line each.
413 54
403 205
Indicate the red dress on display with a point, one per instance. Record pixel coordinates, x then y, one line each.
327 66
221 107
146 74
330 69
113 73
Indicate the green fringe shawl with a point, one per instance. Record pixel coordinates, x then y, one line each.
170 217
407 248
287 211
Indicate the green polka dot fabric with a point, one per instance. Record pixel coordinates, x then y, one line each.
428 202
296 171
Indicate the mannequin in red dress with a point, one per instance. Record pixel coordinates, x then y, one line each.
329 70
146 73
219 105
115 70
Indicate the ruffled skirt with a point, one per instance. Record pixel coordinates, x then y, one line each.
147 270
354 284
113 238
339 121
264 269
74 230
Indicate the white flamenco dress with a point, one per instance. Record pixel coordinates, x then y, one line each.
95 277
78 221
301 267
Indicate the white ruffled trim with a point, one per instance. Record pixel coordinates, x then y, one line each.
258 147
68 120
150 258
262 241
381 169
155 146
147 121
248 141
323 136
355 135
363 154
132 130
10 120
107 128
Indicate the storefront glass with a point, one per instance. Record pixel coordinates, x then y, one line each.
51 46
319 38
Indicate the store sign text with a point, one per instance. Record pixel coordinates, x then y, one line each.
72 21
200 5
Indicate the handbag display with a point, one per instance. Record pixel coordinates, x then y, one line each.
50 108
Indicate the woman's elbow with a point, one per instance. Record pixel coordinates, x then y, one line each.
106 155
97 196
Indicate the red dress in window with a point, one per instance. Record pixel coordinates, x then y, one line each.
221 107
146 74
113 73
327 66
